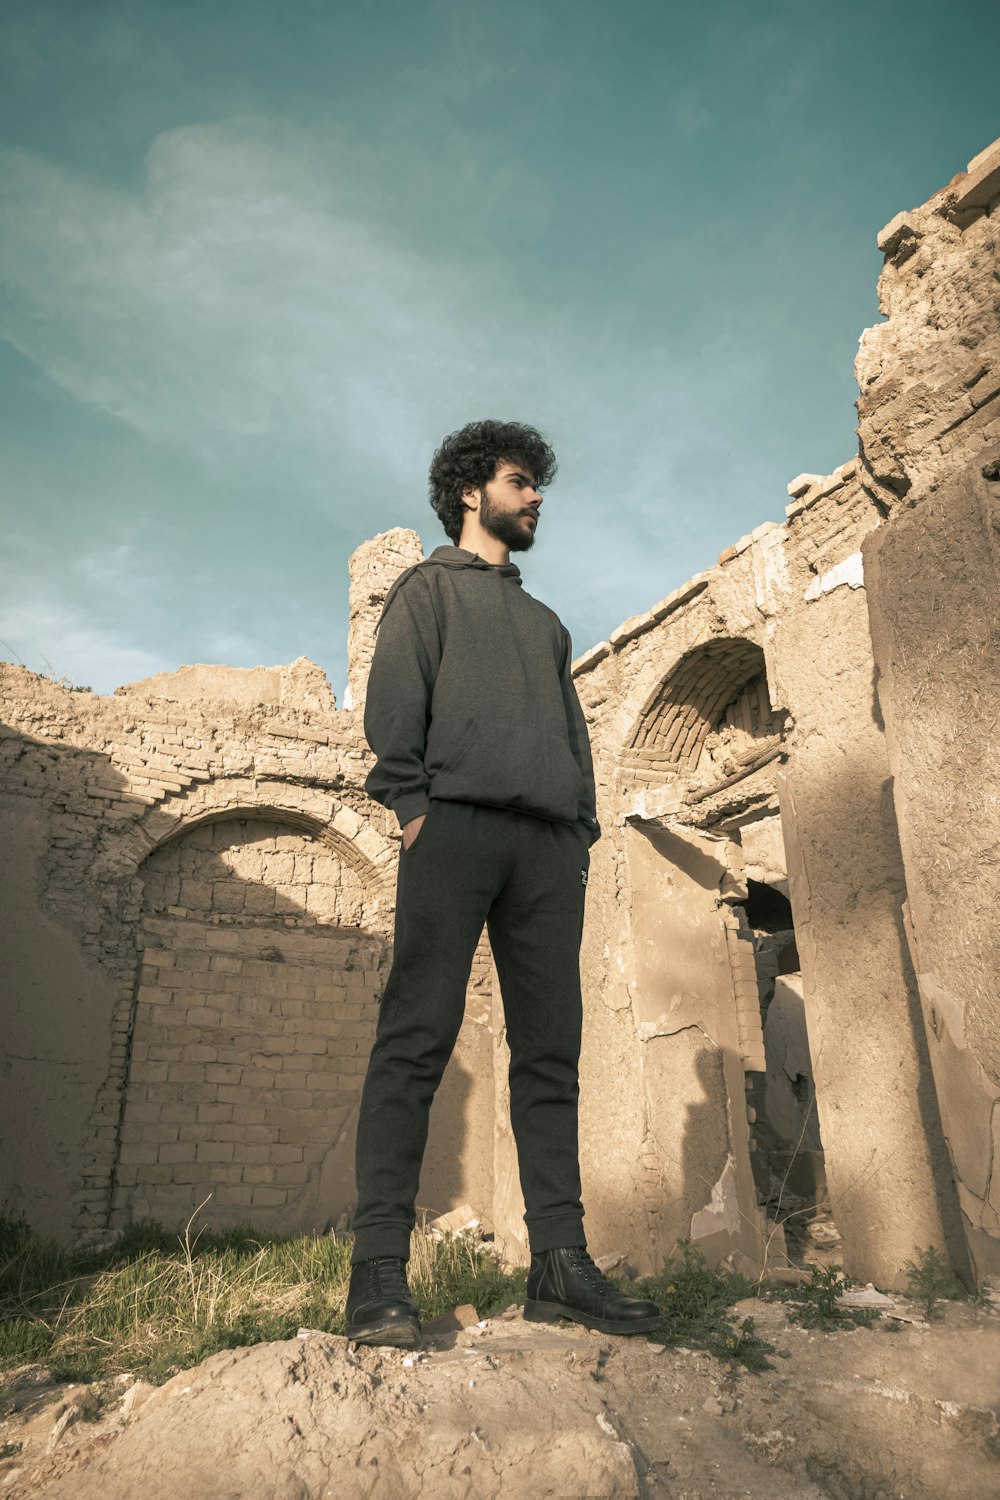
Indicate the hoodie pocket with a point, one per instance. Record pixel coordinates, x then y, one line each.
421 831
515 764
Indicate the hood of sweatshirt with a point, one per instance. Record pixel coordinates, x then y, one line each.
455 557
459 557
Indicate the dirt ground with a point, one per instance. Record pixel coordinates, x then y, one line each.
509 1409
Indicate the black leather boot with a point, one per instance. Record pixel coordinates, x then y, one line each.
380 1306
566 1284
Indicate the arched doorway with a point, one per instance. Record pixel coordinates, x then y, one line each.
713 926
253 1018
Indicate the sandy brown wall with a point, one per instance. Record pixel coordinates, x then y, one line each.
57 1008
934 587
193 867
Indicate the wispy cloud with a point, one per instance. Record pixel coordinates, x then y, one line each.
229 299
63 641
249 304
109 568
239 298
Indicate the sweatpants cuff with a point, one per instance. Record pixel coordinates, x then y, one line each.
381 1239
555 1234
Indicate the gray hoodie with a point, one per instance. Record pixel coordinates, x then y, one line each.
470 697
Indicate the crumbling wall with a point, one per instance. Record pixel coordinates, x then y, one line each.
58 1007
930 443
197 932
877 1114
677 717
371 570
934 585
784 607
249 1038
929 376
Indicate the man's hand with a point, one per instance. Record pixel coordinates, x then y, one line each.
412 828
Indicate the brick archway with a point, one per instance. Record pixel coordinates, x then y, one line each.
722 678
332 826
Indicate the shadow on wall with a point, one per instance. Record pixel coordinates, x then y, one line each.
866 1028
58 1005
67 968
864 1024
266 952
681 1013
255 1014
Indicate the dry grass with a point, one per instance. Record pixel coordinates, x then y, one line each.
154 1302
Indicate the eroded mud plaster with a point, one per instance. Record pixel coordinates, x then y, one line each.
933 583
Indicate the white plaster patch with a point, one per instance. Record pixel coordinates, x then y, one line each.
869 361
638 808
772 581
889 1392
653 803
647 1030
850 571
722 1211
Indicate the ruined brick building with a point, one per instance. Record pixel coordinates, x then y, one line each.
790 958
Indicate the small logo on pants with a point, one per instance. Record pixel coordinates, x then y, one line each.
583 877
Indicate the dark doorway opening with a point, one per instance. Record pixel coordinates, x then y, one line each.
787 1155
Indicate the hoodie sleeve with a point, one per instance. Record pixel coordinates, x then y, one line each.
579 739
397 704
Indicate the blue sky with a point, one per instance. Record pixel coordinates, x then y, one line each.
260 257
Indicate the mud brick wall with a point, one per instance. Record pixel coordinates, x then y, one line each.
247 1057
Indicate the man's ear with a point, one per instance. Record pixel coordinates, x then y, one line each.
470 493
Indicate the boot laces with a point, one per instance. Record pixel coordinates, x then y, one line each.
388 1273
582 1262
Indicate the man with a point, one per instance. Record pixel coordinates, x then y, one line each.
483 756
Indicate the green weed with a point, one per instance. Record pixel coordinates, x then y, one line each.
815 1305
930 1278
445 1273
695 1300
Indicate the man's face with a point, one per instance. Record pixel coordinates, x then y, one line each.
509 507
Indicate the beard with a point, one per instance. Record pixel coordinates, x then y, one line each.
508 527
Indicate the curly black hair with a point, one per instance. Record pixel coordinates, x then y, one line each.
472 455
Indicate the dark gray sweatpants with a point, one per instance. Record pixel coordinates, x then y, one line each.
525 877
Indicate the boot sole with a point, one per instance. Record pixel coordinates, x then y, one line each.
550 1312
394 1334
